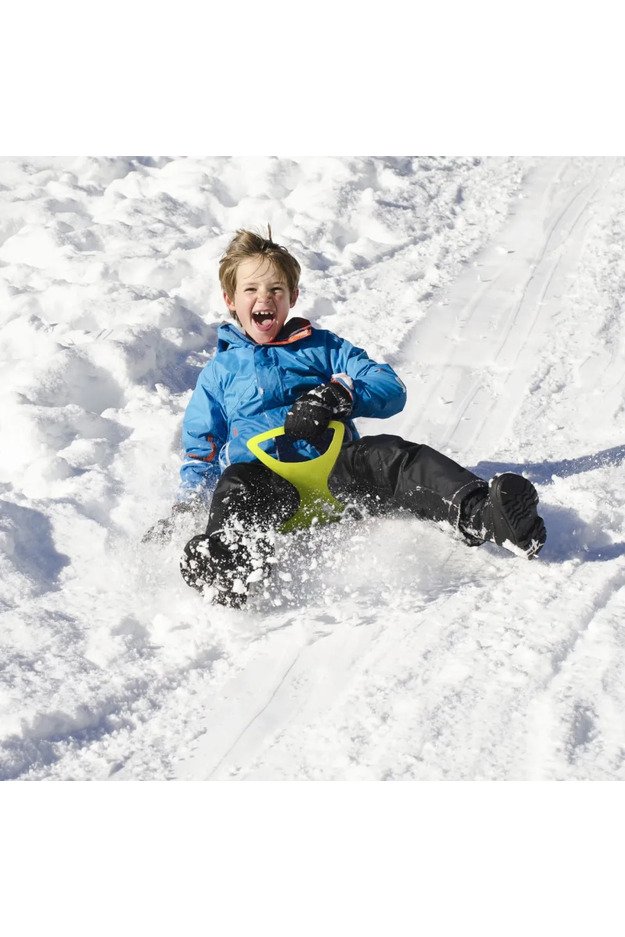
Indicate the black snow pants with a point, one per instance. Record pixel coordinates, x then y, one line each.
380 473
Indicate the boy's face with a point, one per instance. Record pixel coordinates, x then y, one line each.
261 299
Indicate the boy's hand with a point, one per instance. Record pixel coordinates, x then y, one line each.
164 530
310 414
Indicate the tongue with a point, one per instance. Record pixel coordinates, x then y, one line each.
264 324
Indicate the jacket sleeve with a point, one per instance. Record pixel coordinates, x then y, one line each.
204 433
377 390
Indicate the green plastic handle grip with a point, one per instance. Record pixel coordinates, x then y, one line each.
310 478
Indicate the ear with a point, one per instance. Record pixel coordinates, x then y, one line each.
228 302
294 296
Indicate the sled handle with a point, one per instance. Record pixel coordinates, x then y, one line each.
310 478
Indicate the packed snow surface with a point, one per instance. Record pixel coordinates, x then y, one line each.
385 649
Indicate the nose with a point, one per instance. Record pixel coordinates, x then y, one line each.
262 294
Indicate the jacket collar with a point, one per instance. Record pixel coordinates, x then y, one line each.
293 331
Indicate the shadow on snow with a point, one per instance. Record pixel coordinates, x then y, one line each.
542 473
33 550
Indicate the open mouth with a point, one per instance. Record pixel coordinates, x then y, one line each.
263 320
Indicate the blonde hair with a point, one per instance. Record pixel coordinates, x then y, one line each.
247 244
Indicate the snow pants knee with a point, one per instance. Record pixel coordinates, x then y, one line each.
382 473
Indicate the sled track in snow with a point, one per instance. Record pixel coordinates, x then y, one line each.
463 397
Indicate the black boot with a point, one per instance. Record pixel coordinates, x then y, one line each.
228 565
197 565
505 513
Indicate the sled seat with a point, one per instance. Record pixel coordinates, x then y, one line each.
310 478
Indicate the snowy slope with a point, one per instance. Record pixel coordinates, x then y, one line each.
383 650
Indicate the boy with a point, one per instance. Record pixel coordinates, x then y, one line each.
268 372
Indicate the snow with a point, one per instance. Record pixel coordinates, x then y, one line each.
384 649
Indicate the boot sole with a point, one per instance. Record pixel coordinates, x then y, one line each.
517 525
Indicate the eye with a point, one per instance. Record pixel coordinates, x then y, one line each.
249 289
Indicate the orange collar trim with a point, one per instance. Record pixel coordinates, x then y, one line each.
296 336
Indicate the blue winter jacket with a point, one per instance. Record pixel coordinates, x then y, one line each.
248 388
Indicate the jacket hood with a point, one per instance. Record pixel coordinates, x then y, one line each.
294 330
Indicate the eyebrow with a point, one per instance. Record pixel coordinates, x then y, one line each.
271 282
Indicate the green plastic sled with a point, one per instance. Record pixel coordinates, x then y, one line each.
317 504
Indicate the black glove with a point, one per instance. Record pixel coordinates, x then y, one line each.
163 531
309 416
